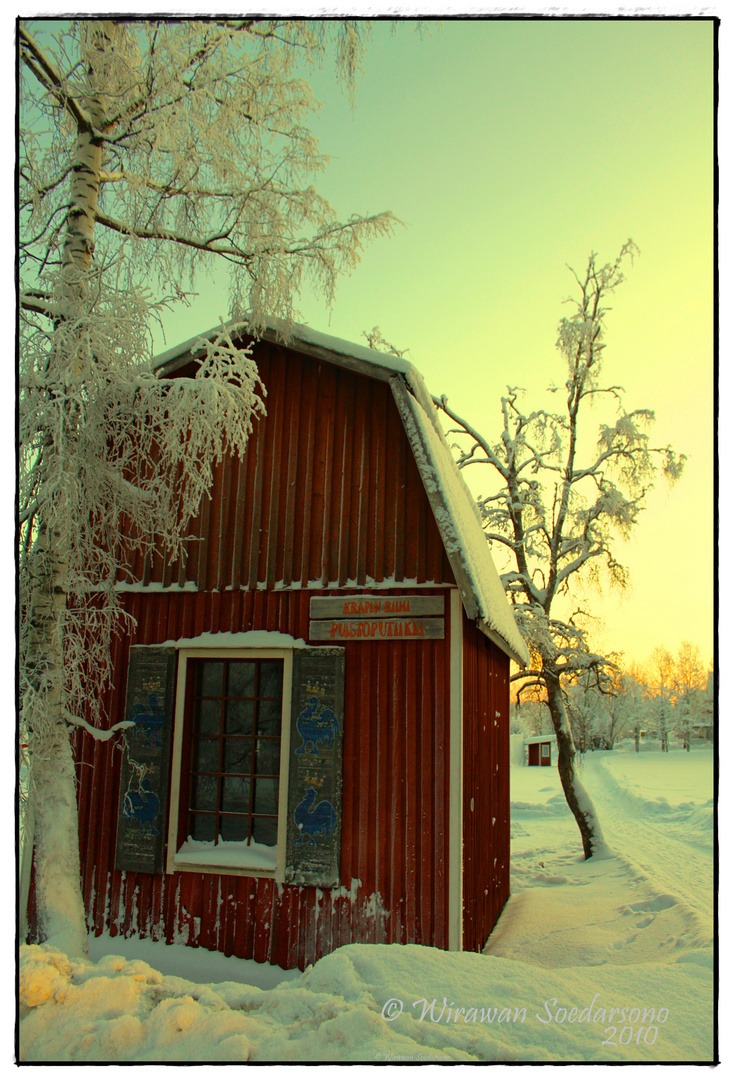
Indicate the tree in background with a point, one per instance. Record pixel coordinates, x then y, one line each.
689 683
661 692
632 692
529 713
585 711
556 512
149 151
597 719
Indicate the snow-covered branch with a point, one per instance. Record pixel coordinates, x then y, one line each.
39 303
36 60
97 733
443 403
208 243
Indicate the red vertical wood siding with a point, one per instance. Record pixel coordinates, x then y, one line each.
327 493
486 785
394 851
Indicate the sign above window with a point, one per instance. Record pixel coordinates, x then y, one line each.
362 606
376 618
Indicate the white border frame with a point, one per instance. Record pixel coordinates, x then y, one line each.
184 655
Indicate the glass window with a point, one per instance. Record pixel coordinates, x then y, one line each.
236 727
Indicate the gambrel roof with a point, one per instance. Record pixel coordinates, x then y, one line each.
454 508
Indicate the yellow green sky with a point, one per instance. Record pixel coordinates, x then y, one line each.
509 148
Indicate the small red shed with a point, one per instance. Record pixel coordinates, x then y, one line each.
539 749
320 688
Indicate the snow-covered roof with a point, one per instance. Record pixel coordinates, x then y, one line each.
454 508
303 339
298 335
459 523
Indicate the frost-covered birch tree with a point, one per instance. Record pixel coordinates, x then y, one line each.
557 508
149 151
661 690
689 683
624 710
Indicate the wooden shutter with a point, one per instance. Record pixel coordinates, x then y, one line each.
313 837
143 802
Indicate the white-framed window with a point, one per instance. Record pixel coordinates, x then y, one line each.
229 767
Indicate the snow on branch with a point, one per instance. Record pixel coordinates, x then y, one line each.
97 733
36 60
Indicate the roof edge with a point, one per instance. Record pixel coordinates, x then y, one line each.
501 644
305 340
449 530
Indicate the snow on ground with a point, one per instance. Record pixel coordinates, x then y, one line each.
656 894
606 960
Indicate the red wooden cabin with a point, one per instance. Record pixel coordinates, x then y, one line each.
539 749
320 689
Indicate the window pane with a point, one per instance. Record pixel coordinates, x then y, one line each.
237 757
266 797
204 793
208 717
233 827
241 678
265 831
269 717
202 826
236 794
211 678
206 756
267 757
239 716
271 679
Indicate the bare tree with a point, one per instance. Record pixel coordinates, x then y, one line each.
148 152
556 514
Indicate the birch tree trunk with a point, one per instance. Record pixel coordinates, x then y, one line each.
577 798
52 774
52 789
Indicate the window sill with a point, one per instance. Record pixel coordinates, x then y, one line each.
227 858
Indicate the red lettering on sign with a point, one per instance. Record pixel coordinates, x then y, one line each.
394 607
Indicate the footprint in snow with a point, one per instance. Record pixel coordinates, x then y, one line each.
656 903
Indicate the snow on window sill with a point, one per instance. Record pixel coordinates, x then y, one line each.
226 855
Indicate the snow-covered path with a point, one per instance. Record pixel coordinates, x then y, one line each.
671 844
651 901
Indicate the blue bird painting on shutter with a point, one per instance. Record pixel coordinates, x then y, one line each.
314 820
316 724
149 720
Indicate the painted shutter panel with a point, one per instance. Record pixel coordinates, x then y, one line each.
144 776
313 837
